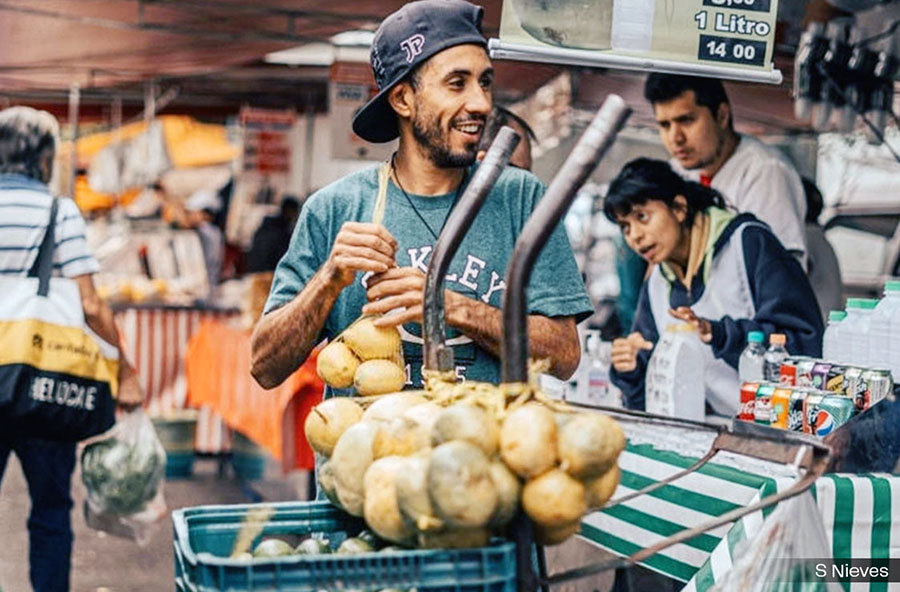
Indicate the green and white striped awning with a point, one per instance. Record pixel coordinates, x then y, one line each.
855 509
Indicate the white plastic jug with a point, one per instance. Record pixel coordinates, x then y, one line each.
880 328
857 328
675 381
831 341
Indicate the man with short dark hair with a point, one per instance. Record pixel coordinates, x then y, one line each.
696 125
434 74
27 148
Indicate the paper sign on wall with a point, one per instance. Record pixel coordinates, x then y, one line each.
728 38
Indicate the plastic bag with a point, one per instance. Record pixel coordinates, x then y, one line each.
366 357
123 473
783 555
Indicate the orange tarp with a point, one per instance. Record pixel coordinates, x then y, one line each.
194 144
88 200
217 364
189 143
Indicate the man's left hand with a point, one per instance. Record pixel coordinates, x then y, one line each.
401 287
129 395
704 328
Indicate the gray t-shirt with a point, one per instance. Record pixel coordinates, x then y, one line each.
477 271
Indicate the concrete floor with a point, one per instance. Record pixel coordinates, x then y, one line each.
103 563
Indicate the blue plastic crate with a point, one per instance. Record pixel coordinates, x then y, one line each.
204 537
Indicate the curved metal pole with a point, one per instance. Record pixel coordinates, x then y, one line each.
438 356
594 143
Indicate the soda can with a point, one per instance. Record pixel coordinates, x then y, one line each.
788 374
853 382
781 404
832 412
876 385
820 375
795 410
810 411
762 406
835 381
748 399
804 371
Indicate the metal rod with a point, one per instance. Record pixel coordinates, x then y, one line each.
150 92
309 144
438 356
523 536
74 105
595 141
662 482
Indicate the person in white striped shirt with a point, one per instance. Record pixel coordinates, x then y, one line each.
27 149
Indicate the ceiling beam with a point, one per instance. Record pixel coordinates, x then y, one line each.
159 27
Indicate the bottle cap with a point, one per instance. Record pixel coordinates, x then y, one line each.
861 303
777 339
892 286
756 337
837 315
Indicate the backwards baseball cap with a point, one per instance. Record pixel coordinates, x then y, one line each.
406 39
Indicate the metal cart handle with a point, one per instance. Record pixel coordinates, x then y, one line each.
438 356
581 162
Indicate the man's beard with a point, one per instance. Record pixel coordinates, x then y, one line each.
716 154
429 135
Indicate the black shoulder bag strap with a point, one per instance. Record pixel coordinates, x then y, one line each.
43 263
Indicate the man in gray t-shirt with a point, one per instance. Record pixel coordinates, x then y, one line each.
434 75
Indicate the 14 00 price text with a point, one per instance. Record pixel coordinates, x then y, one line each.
729 49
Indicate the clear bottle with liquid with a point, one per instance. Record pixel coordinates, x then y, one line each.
831 341
594 386
750 364
775 355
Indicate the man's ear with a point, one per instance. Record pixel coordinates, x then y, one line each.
723 115
680 208
400 99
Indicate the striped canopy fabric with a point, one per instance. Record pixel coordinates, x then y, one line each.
156 339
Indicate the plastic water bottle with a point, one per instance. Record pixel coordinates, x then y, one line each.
774 356
750 365
880 327
856 330
831 341
598 389
676 375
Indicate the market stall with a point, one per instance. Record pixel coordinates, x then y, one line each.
217 361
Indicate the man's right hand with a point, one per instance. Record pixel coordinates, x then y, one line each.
360 246
626 349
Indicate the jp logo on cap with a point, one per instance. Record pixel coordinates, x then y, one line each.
404 40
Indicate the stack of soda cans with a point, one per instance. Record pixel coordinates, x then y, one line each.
813 396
